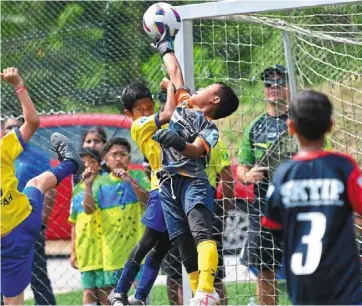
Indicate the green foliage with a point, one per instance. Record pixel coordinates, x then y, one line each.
70 14
80 55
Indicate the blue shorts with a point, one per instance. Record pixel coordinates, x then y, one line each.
179 194
17 248
153 216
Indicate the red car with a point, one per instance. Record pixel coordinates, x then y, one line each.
73 126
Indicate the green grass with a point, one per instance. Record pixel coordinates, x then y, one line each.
238 294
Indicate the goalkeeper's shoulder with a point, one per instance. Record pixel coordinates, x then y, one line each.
182 95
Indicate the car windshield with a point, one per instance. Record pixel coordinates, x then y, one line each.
42 138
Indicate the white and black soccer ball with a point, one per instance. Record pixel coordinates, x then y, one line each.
157 16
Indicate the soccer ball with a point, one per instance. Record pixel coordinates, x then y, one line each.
157 16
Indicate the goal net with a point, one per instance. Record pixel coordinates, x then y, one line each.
76 57
324 46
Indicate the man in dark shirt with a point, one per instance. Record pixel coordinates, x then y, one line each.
260 249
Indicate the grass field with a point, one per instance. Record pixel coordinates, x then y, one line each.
238 294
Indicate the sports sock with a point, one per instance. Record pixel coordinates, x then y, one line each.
149 274
128 276
207 260
194 280
65 168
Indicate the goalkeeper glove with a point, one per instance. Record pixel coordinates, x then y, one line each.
164 44
170 139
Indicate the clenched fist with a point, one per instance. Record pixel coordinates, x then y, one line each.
165 83
11 75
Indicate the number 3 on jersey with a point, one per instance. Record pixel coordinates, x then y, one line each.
314 244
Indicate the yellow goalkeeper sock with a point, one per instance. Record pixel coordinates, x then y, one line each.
207 260
194 280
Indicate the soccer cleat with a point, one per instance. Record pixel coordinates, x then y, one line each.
136 302
117 299
66 150
202 298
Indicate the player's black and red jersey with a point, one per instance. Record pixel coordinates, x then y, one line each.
312 198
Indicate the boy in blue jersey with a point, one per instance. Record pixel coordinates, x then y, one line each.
21 212
185 191
312 198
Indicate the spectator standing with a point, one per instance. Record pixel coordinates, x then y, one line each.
87 236
122 197
261 250
93 138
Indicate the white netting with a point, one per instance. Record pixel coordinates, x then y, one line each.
327 56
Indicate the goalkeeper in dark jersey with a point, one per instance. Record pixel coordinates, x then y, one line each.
186 195
312 198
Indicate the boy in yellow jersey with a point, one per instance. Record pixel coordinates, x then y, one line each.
155 243
85 216
21 212
186 194
121 198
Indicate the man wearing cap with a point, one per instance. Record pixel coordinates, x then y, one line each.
261 249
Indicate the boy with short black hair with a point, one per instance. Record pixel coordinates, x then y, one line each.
85 217
154 243
312 198
122 196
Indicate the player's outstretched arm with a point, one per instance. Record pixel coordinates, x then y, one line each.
31 118
173 69
170 106
165 49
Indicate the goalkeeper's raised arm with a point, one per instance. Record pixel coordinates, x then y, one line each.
165 48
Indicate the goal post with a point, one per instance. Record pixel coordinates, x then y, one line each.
319 42
228 9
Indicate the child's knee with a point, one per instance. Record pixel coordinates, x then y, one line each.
90 297
34 182
16 300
